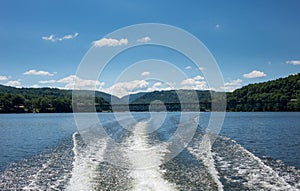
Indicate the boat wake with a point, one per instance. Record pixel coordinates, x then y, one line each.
145 160
139 161
86 160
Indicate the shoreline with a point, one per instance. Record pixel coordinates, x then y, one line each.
157 112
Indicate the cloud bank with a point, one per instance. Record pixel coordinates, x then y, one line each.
255 74
38 73
3 78
293 62
110 42
14 83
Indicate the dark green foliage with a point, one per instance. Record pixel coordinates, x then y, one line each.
44 100
277 95
174 100
282 94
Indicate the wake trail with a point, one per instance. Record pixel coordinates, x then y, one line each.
202 151
238 165
86 161
145 160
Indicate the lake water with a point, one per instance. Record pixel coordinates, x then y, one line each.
254 151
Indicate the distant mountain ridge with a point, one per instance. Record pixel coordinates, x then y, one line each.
132 97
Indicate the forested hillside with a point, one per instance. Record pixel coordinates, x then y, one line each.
277 95
174 100
44 100
282 94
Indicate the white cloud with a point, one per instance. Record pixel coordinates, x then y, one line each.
199 78
47 81
68 37
15 83
159 86
121 89
74 82
144 39
217 26
189 81
145 73
68 79
110 42
38 73
201 68
3 78
293 62
196 83
49 38
255 74
35 86
52 38
188 67
232 85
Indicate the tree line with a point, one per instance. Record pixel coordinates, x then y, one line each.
282 94
43 100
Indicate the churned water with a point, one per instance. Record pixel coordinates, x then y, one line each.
254 151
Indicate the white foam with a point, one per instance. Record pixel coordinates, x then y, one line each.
203 152
33 180
281 183
145 160
258 175
85 164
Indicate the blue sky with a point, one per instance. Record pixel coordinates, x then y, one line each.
43 42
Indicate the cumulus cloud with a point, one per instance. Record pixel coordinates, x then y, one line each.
196 83
144 39
47 81
188 67
15 83
198 78
159 86
52 37
38 73
35 86
110 42
201 68
232 85
293 62
74 82
255 74
121 89
68 79
145 73
3 78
